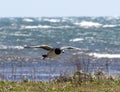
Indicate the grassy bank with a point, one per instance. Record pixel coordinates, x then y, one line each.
79 82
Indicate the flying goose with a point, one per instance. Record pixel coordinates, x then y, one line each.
52 52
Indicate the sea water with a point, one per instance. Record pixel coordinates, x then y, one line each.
97 37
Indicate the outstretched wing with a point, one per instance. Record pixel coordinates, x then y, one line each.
46 47
69 47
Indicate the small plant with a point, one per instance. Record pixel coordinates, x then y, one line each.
26 80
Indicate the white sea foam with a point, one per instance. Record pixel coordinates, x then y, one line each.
19 34
110 25
28 20
88 24
112 17
3 47
16 47
98 55
76 40
52 20
32 27
44 27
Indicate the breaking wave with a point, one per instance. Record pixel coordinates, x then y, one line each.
11 47
88 24
99 55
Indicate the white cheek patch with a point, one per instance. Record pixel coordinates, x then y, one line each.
63 51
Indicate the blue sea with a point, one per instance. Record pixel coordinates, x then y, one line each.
97 37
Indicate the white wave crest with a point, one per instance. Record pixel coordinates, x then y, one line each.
16 47
76 40
52 20
88 24
19 34
32 27
110 26
98 55
28 20
44 27
3 47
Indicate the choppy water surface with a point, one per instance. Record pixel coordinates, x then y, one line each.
98 38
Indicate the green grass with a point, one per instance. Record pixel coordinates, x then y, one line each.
79 82
103 86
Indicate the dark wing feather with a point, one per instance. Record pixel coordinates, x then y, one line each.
46 47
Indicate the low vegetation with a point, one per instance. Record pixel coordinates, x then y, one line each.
79 82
